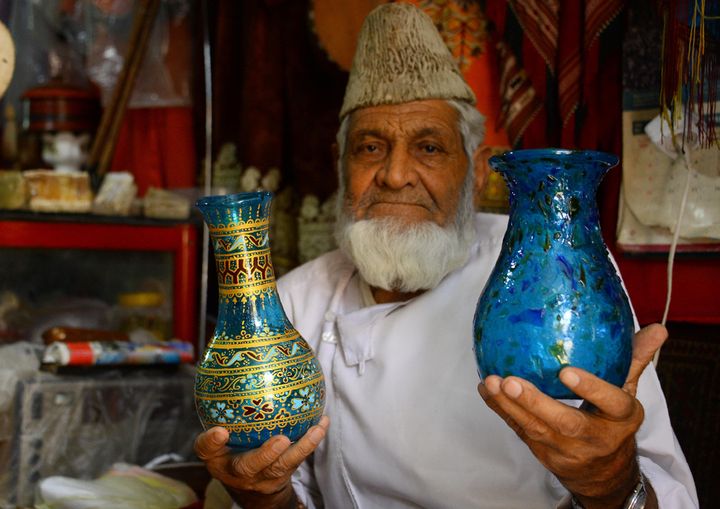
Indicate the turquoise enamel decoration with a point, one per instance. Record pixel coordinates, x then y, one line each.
258 377
554 298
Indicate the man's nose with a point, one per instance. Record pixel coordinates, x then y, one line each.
398 170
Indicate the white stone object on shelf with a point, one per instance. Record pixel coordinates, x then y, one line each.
250 179
164 204
316 227
116 194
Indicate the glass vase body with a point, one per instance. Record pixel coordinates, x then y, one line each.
554 298
258 377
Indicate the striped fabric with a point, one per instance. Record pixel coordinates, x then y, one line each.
563 35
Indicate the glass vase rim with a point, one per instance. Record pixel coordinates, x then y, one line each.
505 160
229 200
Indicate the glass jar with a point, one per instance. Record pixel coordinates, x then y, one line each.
144 310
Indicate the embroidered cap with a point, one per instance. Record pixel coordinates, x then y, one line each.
401 57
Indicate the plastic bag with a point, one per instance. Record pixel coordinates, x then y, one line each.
74 43
654 175
163 79
123 487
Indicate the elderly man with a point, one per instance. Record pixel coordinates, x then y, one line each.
389 316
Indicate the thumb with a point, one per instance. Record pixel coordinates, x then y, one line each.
646 342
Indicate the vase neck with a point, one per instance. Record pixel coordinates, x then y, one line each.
239 228
246 277
554 178
555 199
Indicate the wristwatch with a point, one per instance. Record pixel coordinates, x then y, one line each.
636 500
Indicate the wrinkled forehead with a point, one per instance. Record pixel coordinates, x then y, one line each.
408 119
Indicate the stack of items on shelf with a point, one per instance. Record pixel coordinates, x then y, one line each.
140 337
50 164
88 332
92 351
59 191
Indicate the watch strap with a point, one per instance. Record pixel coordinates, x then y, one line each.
636 499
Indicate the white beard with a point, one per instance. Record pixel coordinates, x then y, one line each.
395 256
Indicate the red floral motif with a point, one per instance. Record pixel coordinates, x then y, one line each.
259 411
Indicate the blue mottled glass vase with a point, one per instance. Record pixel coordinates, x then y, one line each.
257 377
554 298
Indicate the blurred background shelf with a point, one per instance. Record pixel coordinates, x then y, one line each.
42 253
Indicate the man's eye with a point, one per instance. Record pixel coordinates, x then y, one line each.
367 148
430 149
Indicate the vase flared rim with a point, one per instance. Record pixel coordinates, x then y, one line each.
506 159
229 200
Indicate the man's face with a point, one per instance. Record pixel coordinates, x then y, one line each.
405 161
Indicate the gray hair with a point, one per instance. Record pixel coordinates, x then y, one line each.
472 126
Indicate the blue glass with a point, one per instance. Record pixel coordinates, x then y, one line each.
258 377
554 298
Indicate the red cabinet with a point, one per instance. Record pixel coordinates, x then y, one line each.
177 241
696 283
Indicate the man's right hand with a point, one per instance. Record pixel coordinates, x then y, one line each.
260 477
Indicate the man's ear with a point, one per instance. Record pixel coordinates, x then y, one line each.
482 170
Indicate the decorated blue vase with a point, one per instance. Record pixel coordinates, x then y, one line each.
257 377
554 298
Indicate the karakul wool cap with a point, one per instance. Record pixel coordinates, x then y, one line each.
401 57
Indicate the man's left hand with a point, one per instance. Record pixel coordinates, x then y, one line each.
593 453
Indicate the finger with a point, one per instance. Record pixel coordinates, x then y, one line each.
506 397
610 401
540 415
253 462
489 399
490 389
299 451
490 386
646 342
211 443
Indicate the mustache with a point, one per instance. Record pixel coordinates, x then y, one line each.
395 197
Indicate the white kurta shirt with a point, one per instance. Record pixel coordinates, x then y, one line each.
407 426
